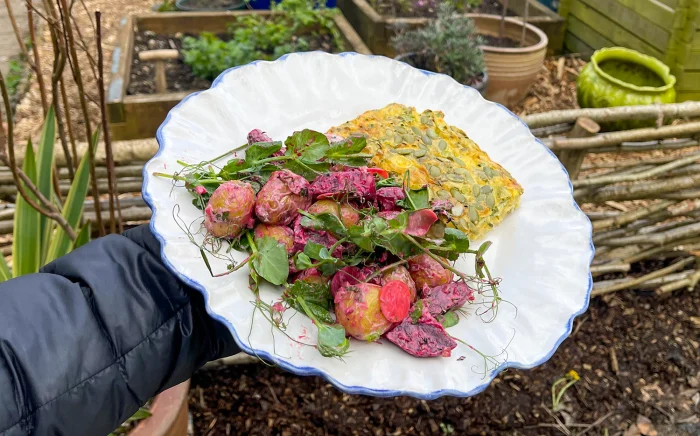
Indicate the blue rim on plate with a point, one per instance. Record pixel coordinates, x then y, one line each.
306 370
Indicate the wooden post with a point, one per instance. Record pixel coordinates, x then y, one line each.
572 159
159 57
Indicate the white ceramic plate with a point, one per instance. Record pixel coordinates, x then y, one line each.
542 252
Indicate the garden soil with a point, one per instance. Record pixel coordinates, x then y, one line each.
654 378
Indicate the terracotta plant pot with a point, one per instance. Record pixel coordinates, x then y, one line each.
511 70
619 76
168 414
480 86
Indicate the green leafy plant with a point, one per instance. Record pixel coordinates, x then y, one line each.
37 239
449 44
561 385
14 76
421 8
167 6
294 26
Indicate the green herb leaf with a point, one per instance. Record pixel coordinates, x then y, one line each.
417 311
449 319
316 251
306 170
271 262
352 145
232 167
419 198
398 223
302 261
389 182
482 249
328 269
332 341
361 236
314 293
261 150
456 240
309 145
325 221
317 297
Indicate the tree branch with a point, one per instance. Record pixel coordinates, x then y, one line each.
641 190
618 178
615 138
639 280
677 110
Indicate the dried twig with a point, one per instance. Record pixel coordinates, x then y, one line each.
615 138
689 282
636 147
628 217
36 65
650 284
77 76
666 237
111 180
596 423
656 274
18 33
677 110
640 190
641 255
609 268
661 169
526 15
504 12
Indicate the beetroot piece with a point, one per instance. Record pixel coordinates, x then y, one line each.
349 275
257 135
443 298
426 338
389 214
357 309
387 198
427 271
303 236
230 209
402 274
356 183
419 222
395 300
281 198
281 234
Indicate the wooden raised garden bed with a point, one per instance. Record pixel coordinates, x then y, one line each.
669 30
139 116
376 30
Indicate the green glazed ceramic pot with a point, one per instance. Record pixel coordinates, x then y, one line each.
622 77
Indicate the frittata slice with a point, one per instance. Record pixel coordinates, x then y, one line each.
454 168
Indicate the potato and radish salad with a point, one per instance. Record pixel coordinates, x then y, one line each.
364 253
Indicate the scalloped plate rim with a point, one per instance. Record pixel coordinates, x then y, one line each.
312 371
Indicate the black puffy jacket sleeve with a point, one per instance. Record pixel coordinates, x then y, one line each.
89 339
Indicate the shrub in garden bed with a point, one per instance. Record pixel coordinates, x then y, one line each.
294 26
430 8
448 45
